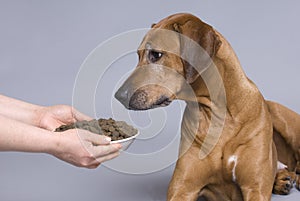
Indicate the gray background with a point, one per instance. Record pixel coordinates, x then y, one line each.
43 44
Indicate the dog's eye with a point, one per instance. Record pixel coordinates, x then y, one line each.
154 56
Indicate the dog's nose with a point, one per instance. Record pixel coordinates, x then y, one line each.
122 96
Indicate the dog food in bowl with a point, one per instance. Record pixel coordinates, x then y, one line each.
118 131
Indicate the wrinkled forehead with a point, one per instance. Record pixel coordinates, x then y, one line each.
161 40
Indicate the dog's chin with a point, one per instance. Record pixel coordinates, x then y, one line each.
161 102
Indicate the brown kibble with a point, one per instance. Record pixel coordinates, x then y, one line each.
115 134
111 128
117 130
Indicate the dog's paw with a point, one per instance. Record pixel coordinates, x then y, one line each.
284 182
298 168
298 182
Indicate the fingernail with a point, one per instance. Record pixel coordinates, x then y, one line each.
107 139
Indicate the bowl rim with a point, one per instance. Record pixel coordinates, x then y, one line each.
126 139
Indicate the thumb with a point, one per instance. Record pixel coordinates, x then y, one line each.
51 125
80 116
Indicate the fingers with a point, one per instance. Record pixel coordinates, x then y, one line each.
101 154
93 138
94 150
80 116
83 148
102 151
108 157
98 145
102 159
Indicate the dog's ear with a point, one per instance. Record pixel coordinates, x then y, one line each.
205 36
152 25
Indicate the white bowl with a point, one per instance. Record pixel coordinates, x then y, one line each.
125 142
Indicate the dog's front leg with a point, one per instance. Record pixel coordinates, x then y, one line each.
181 189
187 180
256 182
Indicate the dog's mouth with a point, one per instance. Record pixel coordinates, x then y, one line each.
140 101
162 102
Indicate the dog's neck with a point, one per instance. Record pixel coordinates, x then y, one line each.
241 99
239 90
242 95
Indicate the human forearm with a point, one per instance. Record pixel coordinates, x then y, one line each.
78 147
19 110
18 136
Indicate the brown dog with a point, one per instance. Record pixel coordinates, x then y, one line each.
286 135
284 182
240 161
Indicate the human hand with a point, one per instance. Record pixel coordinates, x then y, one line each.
54 116
83 148
76 146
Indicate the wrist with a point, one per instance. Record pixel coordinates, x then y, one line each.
54 144
19 110
38 113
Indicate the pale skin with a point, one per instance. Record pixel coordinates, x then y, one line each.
27 127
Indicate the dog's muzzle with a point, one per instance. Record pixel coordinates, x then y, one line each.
149 87
140 100
122 96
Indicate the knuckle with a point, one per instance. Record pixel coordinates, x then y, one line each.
84 163
94 166
87 160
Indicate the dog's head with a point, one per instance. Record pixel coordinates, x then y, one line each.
171 56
